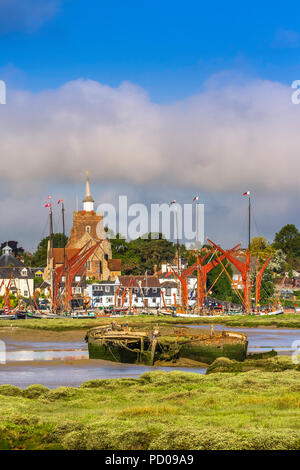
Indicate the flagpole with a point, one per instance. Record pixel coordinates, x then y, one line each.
51 256
197 217
249 222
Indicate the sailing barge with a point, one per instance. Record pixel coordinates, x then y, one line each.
119 343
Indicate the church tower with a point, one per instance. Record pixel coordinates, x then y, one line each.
88 228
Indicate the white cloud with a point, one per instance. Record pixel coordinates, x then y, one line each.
229 138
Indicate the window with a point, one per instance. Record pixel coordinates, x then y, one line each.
107 288
25 293
168 291
154 290
77 278
88 229
88 265
24 272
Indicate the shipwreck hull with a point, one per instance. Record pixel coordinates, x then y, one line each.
118 353
139 348
209 352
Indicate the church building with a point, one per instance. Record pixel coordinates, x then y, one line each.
88 228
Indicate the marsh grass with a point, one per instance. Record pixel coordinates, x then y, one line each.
256 409
65 324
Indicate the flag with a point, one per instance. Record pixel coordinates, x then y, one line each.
48 204
172 202
247 193
61 200
196 198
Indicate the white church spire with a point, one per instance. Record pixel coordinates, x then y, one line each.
88 201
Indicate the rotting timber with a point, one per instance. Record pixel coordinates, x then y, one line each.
163 344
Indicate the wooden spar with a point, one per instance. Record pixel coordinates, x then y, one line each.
220 261
243 268
184 288
130 293
73 265
216 280
52 270
77 265
6 297
153 348
164 301
258 281
116 296
123 296
203 270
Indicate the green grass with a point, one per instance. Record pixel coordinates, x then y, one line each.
65 324
175 410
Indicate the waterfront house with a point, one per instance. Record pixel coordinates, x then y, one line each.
15 274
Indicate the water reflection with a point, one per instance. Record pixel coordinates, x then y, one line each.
58 363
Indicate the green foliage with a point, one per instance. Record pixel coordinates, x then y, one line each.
288 240
267 287
261 248
222 290
143 253
39 258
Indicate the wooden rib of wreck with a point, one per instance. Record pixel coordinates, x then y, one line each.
122 344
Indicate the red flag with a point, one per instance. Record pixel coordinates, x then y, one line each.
61 200
247 193
48 204
196 198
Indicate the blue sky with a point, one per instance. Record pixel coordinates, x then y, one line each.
169 48
159 100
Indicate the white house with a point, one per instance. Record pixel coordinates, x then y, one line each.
102 294
170 293
15 274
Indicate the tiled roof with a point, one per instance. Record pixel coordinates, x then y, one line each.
169 284
5 273
151 281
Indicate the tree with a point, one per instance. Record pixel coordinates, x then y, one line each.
142 253
261 248
39 258
267 287
288 240
222 290
278 263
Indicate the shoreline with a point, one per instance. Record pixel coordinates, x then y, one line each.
67 324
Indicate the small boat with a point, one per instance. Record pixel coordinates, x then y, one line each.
7 317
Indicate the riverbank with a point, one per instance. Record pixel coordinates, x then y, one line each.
159 410
65 324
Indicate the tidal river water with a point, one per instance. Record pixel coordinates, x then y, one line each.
56 359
